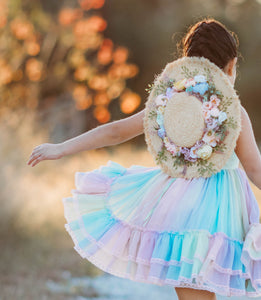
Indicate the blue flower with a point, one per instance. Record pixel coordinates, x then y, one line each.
200 88
161 132
160 119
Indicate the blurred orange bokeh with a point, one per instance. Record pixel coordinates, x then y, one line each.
104 55
22 29
120 55
86 26
82 98
99 82
68 51
68 15
6 73
82 73
101 99
102 114
32 48
123 70
3 13
116 88
34 69
91 4
129 102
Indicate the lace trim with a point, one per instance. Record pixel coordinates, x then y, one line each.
207 284
219 236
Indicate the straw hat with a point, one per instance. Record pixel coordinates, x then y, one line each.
192 118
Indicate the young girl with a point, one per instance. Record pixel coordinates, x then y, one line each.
102 232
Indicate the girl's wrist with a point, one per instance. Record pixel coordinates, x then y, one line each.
62 149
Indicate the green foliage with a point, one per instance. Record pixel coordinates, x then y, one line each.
161 156
152 114
225 104
187 73
231 123
213 91
161 86
205 167
179 161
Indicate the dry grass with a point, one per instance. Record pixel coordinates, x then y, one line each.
34 244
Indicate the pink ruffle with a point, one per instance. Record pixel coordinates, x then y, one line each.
127 251
251 255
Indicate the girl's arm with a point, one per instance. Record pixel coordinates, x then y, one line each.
247 150
104 135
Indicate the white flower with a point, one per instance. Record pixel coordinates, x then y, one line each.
214 112
171 148
222 117
204 152
200 78
193 152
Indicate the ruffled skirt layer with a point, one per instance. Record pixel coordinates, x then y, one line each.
141 224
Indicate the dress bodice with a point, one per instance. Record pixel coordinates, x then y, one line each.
232 162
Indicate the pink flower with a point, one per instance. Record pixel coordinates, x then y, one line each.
170 146
190 82
210 138
214 100
206 114
214 112
207 105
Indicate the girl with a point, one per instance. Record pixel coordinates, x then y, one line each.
88 209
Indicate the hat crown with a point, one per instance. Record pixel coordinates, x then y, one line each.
183 119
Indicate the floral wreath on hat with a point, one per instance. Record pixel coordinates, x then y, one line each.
216 119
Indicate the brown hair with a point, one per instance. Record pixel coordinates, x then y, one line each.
210 39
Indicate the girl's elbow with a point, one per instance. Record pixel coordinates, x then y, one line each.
117 134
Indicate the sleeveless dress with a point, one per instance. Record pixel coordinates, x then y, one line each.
139 223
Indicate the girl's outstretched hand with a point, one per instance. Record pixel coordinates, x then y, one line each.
44 152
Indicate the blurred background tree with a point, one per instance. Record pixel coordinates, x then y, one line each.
68 60
56 54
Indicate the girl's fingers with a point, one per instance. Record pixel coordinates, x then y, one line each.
36 161
33 157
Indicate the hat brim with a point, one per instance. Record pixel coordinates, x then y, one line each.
189 67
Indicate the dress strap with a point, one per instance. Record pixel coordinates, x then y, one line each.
232 162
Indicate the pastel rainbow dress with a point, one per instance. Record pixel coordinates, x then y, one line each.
139 223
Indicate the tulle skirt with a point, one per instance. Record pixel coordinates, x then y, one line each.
141 224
